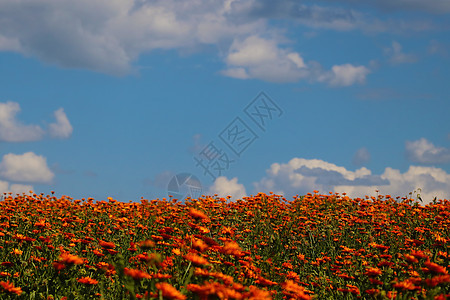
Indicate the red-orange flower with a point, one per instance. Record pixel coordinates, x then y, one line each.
168 291
265 282
67 259
200 245
196 259
107 245
294 290
197 214
405 285
136 274
87 280
372 272
231 248
10 288
435 268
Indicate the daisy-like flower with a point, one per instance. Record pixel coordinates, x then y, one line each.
197 214
136 274
196 259
373 272
10 288
107 245
435 268
87 280
169 292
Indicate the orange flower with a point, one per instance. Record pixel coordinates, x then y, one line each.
293 289
69 259
257 294
197 214
17 252
215 288
405 285
231 248
107 245
87 280
372 272
418 254
435 268
136 274
10 288
200 245
176 251
411 259
203 229
265 282
168 291
196 259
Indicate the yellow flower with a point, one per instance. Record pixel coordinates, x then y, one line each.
17 252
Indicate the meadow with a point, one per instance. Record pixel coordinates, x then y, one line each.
316 246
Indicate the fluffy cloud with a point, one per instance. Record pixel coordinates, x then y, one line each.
262 58
109 36
224 187
396 56
256 57
345 75
12 130
432 182
5 187
423 151
301 176
62 128
27 167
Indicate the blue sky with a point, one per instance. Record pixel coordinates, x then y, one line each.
114 98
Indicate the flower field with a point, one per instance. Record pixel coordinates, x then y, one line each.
262 247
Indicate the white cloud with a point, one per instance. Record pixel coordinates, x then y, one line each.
257 57
27 167
396 56
361 156
224 187
108 36
262 58
5 187
423 151
301 176
345 75
432 182
62 128
12 130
